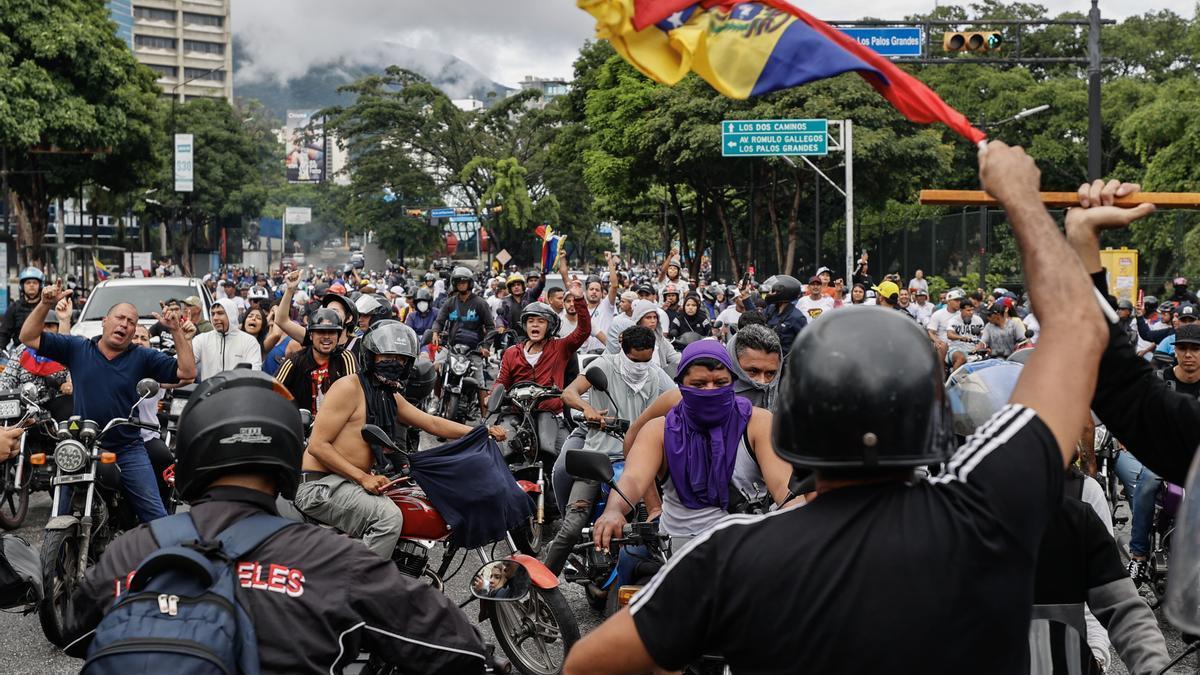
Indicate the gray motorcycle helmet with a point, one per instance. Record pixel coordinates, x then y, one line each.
390 337
541 309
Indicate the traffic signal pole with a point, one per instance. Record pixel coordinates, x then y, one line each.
1094 120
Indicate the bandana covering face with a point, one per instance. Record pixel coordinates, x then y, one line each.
702 432
636 374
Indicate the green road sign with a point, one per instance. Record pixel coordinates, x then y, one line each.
769 138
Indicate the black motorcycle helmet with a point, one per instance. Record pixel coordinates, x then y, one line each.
390 337
781 288
461 274
862 390
425 294
1150 303
323 319
238 421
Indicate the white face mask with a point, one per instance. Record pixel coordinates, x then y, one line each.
422 306
635 373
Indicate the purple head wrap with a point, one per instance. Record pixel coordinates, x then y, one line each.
702 432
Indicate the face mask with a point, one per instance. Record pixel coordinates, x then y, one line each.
635 373
422 306
707 407
391 373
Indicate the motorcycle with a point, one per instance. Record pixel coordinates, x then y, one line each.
461 383
1166 506
654 554
18 477
531 619
87 482
595 570
530 452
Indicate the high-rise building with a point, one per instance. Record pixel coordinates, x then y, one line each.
121 12
188 43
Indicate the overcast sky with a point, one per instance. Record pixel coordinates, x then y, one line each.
504 40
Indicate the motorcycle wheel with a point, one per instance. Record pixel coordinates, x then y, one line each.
528 537
535 633
451 407
60 557
14 503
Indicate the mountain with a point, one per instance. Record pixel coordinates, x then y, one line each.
317 88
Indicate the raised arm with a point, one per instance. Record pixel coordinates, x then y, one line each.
31 330
283 315
1060 377
614 279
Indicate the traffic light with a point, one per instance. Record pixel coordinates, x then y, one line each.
415 213
496 210
464 211
972 41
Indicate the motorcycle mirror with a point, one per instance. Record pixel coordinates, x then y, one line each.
147 387
597 379
306 417
374 435
587 465
493 403
29 393
502 581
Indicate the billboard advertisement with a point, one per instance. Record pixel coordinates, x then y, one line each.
304 140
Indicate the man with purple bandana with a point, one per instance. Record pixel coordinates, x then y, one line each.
708 450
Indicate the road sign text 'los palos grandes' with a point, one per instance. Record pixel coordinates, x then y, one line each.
768 138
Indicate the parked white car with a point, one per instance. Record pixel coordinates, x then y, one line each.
144 293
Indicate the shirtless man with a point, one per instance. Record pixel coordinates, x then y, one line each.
338 485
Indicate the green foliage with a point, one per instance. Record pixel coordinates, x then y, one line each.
67 82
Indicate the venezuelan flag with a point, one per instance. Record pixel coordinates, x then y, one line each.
747 49
102 272
553 247
38 365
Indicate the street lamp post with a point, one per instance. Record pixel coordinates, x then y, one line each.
984 222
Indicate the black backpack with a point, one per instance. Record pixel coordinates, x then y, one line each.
180 614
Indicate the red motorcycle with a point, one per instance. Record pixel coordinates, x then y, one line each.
519 595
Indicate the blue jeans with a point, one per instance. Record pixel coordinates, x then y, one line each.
137 480
1141 485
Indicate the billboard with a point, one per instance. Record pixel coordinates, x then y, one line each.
305 147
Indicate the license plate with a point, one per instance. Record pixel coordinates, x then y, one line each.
71 478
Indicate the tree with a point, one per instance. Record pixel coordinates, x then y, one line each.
75 107
229 185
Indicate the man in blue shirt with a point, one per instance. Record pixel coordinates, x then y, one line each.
105 371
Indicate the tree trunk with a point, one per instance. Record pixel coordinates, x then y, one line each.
33 216
773 216
701 236
748 256
793 228
683 234
730 247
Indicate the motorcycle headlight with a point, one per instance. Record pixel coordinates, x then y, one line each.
70 456
10 408
460 366
177 406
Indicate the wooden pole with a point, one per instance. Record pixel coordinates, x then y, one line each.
1163 200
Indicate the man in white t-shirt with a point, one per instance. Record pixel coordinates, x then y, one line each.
601 306
921 308
939 321
815 303
964 331
918 283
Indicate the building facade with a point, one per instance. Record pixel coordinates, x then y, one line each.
121 13
188 43
551 88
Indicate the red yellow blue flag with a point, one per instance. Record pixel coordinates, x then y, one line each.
747 49
553 247
102 272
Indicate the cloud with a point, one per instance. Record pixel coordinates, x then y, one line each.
506 41
281 39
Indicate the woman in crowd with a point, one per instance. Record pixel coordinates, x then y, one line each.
691 319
